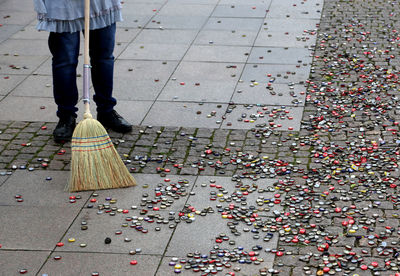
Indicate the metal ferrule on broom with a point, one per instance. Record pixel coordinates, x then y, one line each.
86 87
86 83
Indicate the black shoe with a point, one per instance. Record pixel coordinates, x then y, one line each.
114 121
64 129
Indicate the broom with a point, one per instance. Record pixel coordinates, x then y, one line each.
95 162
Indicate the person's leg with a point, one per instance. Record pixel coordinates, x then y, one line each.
102 61
65 50
101 51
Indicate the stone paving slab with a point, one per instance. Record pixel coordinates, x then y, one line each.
183 242
217 53
119 48
8 30
20 65
133 196
125 34
133 20
12 262
144 70
144 2
141 80
233 24
280 55
30 32
140 8
3 179
27 110
34 228
283 124
203 71
34 86
295 9
221 37
16 17
200 199
189 237
104 264
202 2
23 5
182 22
269 38
101 226
187 240
37 191
154 51
178 9
281 73
243 2
248 11
18 47
290 25
139 90
134 111
7 83
185 114
155 36
281 94
204 91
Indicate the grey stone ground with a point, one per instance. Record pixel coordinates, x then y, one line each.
262 127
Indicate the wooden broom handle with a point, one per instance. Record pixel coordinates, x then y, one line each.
86 65
87 23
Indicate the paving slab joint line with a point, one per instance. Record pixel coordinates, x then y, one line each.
310 77
24 250
246 62
173 232
98 252
180 61
188 151
313 61
23 80
141 29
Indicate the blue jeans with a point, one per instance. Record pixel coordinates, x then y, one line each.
65 50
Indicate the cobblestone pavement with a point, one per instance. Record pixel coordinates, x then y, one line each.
237 186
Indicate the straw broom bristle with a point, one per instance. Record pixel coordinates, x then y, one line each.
95 163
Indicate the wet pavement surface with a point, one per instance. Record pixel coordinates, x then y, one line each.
266 142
